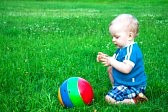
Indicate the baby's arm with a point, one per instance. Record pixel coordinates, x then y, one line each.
123 67
109 70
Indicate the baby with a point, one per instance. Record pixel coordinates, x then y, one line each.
125 67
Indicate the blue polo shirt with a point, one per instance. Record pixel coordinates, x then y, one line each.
133 56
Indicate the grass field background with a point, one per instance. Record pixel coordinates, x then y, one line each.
42 43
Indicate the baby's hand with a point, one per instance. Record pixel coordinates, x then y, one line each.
100 56
107 61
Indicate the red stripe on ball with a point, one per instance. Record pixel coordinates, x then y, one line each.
85 90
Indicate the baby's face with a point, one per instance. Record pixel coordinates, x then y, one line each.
120 35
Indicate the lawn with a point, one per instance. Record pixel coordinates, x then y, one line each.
42 43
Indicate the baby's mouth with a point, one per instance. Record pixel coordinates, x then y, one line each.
115 44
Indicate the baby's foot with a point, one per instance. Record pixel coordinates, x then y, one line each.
140 98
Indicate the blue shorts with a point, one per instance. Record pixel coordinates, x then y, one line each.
120 93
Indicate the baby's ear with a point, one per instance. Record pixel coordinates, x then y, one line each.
131 35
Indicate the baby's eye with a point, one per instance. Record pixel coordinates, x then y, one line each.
116 37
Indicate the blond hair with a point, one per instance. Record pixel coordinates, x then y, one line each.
129 21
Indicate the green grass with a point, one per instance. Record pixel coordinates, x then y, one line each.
44 43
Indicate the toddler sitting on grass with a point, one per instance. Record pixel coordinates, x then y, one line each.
125 67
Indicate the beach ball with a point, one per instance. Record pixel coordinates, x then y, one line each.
75 91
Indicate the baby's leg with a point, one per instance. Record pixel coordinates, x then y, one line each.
139 98
109 70
110 100
126 101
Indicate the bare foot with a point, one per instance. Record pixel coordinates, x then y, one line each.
140 98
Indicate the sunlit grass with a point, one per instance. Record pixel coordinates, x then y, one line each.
44 43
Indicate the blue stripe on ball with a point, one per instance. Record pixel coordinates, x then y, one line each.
64 94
